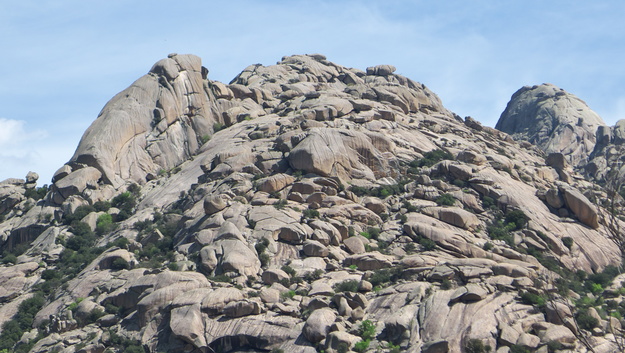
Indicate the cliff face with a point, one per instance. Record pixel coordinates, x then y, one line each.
303 206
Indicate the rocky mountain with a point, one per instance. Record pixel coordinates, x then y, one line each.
308 207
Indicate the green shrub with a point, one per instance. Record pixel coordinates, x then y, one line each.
310 213
475 345
585 321
126 203
500 232
459 183
519 349
553 346
121 243
428 244
94 315
83 236
386 275
280 204
220 278
264 259
488 202
104 224
380 191
79 213
366 330
568 242
533 299
289 270
119 264
288 294
218 127
431 158
409 207
347 286
50 274
517 218
36 193
21 322
9 258
445 200
361 346
488 246
102 206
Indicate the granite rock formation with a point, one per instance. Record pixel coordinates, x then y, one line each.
307 206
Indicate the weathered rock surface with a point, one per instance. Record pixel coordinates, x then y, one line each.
283 210
552 119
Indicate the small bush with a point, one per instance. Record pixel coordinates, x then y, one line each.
36 193
220 278
102 206
385 275
121 243
347 286
288 294
518 218
475 345
366 330
310 213
361 346
500 232
218 127
568 242
409 207
428 244
104 224
585 321
9 259
431 158
79 213
289 270
264 259
126 203
280 204
445 200
519 349
488 202
533 299
119 264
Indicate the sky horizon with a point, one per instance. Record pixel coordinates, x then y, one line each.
63 61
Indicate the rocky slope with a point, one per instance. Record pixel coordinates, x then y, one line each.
303 207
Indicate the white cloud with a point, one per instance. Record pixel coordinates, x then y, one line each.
20 148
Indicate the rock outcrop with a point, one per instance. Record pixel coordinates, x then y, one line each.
552 119
305 206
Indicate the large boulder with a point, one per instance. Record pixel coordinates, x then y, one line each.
552 119
318 324
581 207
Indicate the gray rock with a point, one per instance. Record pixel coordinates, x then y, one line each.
552 119
318 324
315 248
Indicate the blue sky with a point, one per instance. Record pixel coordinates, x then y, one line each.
62 61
